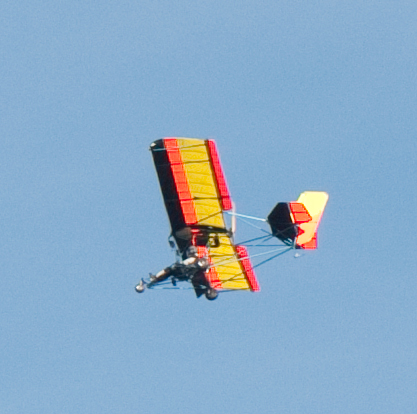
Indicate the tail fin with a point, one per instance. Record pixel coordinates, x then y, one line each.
297 222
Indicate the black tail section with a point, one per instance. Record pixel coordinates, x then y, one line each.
281 223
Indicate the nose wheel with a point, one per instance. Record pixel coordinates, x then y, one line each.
211 294
140 287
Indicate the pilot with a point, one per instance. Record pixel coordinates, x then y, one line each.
188 267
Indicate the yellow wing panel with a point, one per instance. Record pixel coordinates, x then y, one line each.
227 271
201 182
314 202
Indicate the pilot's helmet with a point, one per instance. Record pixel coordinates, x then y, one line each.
192 251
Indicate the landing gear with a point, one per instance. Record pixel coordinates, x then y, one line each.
198 280
211 294
141 286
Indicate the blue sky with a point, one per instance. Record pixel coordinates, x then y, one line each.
299 95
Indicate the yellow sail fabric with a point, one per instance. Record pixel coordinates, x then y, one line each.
314 202
231 268
201 182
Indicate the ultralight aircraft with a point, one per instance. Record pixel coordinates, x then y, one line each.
197 199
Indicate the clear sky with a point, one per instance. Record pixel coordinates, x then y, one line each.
299 95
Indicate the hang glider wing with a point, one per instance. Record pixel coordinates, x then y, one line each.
195 195
230 266
297 222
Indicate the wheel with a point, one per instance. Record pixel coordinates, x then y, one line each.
211 294
140 288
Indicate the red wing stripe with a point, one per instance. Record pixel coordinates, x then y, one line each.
218 173
181 183
247 266
300 213
211 275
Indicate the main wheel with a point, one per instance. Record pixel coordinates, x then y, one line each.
211 294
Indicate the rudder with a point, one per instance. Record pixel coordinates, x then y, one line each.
296 223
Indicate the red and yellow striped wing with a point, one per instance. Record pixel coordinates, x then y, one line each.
231 268
195 195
